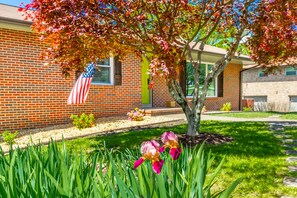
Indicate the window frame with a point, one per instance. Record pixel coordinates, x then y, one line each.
286 70
111 66
216 82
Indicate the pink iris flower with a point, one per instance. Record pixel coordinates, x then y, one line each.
170 140
150 150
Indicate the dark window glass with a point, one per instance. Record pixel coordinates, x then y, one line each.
204 69
102 72
291 71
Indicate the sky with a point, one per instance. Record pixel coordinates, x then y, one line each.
14 2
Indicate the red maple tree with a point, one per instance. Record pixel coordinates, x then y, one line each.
165 32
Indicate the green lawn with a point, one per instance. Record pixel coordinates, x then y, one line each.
245 114
287 116
255 155
121 141
291 131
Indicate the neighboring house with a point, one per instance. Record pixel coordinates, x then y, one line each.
33 95
272 92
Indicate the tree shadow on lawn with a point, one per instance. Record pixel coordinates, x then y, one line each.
250 139
254 155
288 115
133 139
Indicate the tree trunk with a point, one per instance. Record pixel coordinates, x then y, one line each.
194 124
193 114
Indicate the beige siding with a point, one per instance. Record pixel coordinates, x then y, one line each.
277 87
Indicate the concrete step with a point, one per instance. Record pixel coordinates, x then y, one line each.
291 182
162 111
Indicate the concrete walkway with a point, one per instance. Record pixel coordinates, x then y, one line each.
232 119
290 145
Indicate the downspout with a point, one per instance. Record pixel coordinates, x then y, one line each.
240 90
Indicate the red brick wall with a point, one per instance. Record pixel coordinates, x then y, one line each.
32 95
231 90
160 92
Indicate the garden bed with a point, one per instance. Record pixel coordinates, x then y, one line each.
107 125
207 138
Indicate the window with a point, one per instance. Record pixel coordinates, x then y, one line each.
104 72
205 68
261 73
291 71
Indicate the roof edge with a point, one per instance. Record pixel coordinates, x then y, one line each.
241 57
217 51
9 5
4 19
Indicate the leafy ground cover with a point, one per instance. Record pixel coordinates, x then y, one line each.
287 116
255 154
54 172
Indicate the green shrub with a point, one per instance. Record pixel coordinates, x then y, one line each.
247 109
9 137
36 172
83 121
226 107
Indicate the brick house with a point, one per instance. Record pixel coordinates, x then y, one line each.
33 95
226 87
272 92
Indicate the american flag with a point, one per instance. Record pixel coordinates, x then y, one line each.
82 85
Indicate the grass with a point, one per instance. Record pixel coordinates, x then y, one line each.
255 154
246 114
121 141
287 116
291 131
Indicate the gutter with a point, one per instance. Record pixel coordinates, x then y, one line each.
222 54
15 21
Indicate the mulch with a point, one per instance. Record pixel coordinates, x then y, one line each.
208 138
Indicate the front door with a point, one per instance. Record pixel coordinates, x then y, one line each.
145 80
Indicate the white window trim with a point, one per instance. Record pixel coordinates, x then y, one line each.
216 82
111 61
286 69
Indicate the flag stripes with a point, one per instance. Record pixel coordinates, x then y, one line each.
81 88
